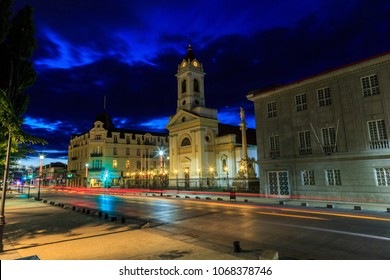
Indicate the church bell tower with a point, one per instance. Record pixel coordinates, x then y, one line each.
190 83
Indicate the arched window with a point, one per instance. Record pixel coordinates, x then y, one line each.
185 142
184 86
196 85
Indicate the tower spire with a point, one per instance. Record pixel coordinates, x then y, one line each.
190 54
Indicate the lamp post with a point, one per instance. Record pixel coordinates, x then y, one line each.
86 175
41 157
200 179
177 179
161 154
187 178
227 176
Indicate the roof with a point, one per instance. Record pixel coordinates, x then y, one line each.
106 119
190 54
108 125
226 129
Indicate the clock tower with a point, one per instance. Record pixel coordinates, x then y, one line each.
190 83
193 129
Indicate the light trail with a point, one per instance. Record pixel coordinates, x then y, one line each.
334 214
292 216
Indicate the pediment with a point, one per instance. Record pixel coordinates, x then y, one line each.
181 118
98 127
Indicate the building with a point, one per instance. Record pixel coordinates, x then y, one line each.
326 136
106 156
201 149
53 174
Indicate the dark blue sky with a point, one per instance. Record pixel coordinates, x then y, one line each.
129 51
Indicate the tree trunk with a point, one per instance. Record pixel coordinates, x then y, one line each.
6 167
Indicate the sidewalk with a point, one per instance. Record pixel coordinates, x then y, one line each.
54 233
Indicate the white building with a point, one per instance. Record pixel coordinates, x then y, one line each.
326 136
202 149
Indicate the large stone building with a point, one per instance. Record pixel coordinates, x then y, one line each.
201 148
107 156
326 136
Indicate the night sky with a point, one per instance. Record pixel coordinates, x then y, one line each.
129 51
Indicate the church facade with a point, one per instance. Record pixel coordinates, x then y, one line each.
202 151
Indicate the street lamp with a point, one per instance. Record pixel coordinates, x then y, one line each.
41 157
161 154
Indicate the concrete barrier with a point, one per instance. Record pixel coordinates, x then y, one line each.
144 225
269 255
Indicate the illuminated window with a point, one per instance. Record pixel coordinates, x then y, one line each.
307 177
324 98
370 85
185 142
127 164
271 109
114 163
382 176
378 135
333 177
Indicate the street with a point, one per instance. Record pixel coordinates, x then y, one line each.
296 233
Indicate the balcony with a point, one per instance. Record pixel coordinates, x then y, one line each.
96 154
274 154
95 169
305 151
379 144
329 149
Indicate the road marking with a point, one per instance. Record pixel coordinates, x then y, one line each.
336 231
292 216
339 215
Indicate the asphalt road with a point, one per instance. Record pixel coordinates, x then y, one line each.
294 232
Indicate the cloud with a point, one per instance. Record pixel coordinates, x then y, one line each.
155 124
129 51
40 123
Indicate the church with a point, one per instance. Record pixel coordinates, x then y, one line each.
202 151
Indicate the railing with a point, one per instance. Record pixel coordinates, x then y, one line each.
305 151
94 169
210 184
274 153
96 154
329 149
379 144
